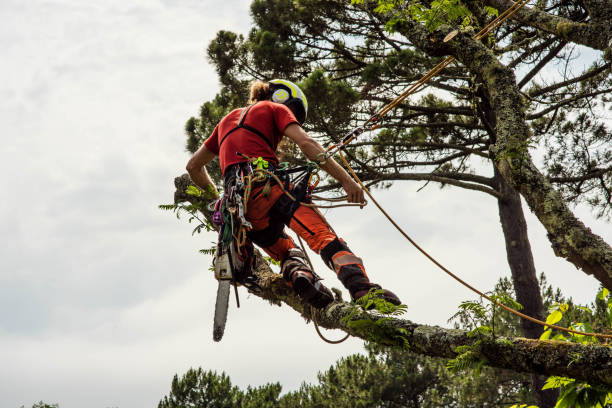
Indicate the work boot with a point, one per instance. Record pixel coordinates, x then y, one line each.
386 295
304 281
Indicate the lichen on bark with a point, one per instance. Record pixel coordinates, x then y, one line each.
592 363
569 237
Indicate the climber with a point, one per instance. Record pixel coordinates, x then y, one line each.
277 109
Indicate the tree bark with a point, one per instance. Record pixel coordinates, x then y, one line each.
519 255
596 33
592 363
524 277
569 237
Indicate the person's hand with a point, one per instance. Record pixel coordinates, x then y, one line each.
354 194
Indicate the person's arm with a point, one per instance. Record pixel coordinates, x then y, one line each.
197 171
313 150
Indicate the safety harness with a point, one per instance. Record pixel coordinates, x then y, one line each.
234 254
242 125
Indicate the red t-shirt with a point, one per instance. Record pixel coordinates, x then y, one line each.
269 118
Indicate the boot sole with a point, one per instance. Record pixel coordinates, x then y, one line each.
306 290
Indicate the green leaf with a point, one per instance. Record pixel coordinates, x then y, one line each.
556 382
480 330
546 334
603 294
554 317
492 11
567 398
559 337
193 191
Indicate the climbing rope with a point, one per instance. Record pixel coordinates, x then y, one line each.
467 285
418 85
313 312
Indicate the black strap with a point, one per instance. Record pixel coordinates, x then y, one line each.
251 129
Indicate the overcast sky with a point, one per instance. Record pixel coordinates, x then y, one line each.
103 297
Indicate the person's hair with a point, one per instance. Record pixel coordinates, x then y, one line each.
260 91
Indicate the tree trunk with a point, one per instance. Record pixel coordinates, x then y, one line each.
524 276
518 252
592 363
569 237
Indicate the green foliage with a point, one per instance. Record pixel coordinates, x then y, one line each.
330 102
492 11
574 393
210 252
578 394
270 53
467 358
476 312
349 383
192 210
579 144
42 404
374 299
198 388
433 14
439 12
380 330
266 396
194 191
271 261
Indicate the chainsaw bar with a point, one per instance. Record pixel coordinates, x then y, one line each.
221 306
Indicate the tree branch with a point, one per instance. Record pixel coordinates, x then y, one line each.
409 144
587 75
551 54
567 101
591 175
592 363
569 237
594 34
453 181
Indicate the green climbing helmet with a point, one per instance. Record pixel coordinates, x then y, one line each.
289 94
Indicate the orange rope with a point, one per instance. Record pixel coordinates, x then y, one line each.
467 285
418 85
412 89
448 60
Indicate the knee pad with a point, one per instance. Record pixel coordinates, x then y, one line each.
331 249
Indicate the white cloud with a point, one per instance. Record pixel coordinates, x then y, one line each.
102 293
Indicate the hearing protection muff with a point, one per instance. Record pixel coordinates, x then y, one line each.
289 94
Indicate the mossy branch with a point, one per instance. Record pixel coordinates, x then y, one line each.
591 363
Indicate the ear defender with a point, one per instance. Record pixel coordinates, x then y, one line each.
289 94
281 95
